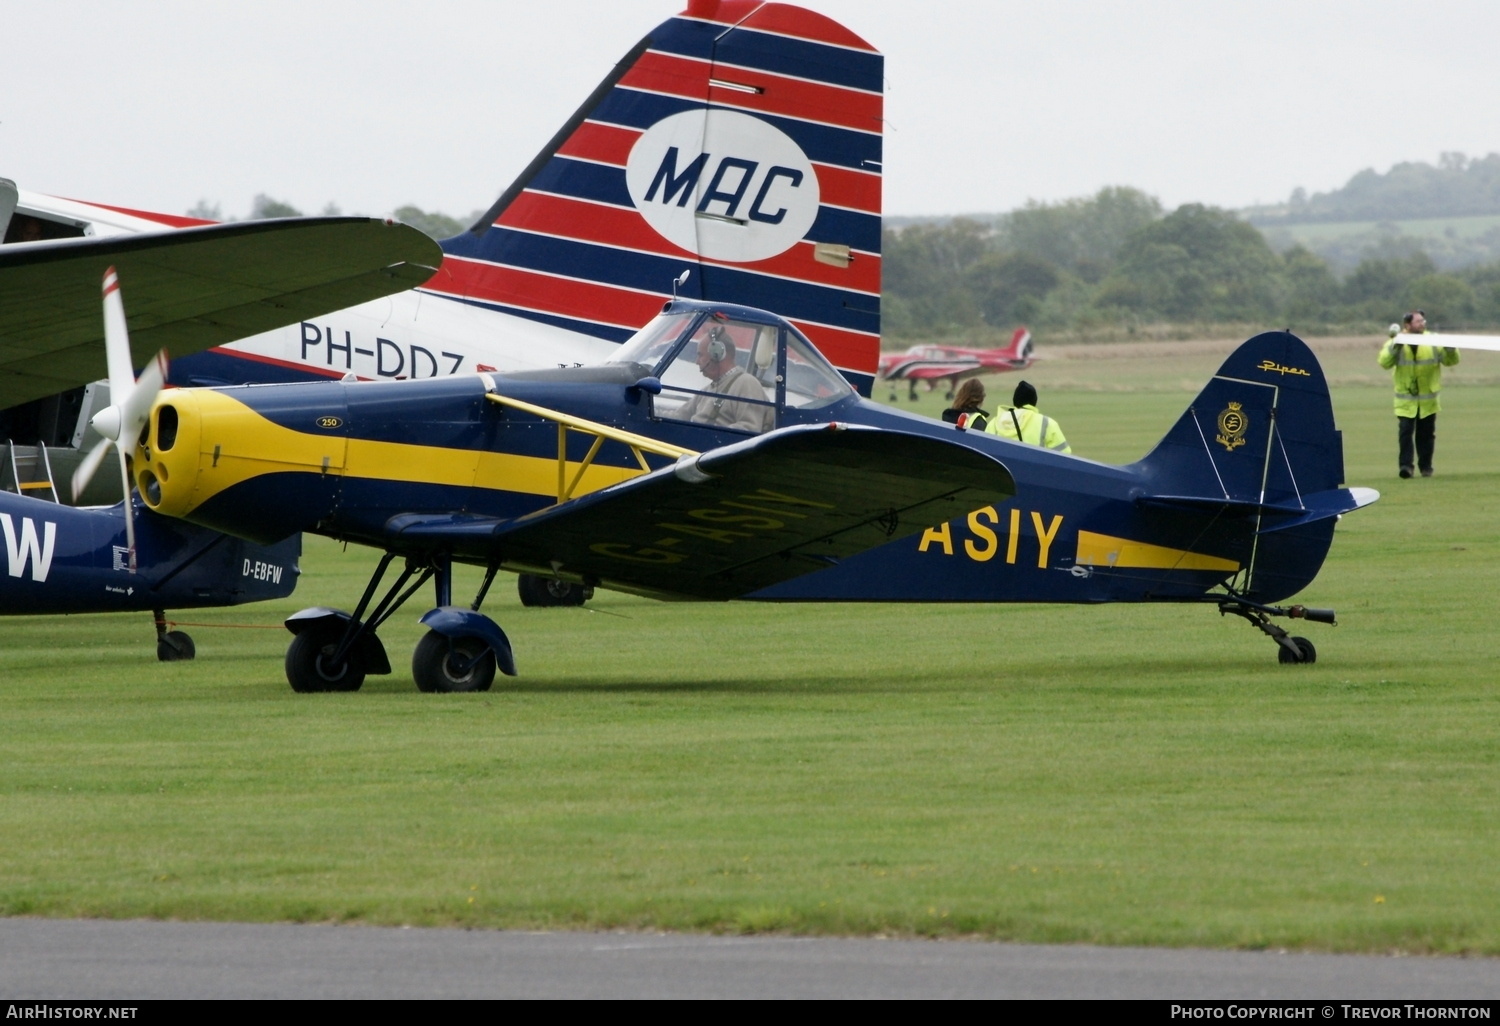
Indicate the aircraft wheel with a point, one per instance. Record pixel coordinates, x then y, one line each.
443 664
175 646
549 591
1306 652
308 669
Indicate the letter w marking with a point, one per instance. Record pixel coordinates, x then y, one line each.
26 547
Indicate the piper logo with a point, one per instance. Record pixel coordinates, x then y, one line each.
20 550
723 185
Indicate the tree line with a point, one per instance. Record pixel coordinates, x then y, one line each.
1457 186
1117 260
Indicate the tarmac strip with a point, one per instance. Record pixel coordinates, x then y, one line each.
44 959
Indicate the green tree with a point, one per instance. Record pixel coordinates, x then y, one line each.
1080 235
1381 282
1447 300
1312 291
206 210
1010 287
1197 263
264 207
924 276
436 225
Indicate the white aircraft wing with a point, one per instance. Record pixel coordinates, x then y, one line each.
1490 342
189 289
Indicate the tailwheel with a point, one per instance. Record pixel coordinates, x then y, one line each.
1289 650
1305 653
443 664
310 664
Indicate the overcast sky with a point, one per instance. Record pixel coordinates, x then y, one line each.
380 103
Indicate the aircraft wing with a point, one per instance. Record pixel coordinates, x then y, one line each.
189 289
743 517
1489 342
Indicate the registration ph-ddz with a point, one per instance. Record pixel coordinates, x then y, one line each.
1393 1010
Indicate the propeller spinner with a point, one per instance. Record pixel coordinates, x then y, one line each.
120 423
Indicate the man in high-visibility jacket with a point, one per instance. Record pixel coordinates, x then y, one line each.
1417 371
1023 423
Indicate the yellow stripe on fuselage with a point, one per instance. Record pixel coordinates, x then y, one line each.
236 444
1104 550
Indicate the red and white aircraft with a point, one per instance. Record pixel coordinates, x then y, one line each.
955 363
740 140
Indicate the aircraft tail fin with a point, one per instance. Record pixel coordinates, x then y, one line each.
1021 349
740 140
1259 443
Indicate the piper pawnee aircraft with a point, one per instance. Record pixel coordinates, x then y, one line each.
193 288
717 455
933 363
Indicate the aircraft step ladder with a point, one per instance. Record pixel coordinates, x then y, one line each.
28 471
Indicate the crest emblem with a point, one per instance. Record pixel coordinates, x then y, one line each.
1232 427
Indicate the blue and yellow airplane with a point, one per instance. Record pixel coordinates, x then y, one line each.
718 455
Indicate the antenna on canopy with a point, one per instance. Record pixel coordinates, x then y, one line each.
679 281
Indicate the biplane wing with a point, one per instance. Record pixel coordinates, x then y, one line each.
189 289
739 518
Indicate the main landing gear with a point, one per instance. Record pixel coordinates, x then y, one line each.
334 651
1289 649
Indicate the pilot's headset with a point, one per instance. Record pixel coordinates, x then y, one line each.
718 343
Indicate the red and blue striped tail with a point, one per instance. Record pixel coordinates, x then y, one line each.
740 140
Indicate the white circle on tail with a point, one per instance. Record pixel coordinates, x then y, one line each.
723 185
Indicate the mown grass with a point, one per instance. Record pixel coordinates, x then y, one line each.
1120 775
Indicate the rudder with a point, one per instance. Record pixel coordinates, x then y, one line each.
741 140
1259 444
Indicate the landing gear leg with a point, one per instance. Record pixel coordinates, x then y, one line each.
333 650
171 646
1289 649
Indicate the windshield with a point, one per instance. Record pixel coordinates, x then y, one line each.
810 380
651 343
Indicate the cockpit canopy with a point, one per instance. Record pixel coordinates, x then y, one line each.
688 346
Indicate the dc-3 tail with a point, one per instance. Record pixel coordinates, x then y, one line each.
740 141
1259 444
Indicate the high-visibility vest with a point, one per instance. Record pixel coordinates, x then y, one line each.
1417 374
1026 424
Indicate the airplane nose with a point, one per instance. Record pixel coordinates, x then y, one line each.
166 455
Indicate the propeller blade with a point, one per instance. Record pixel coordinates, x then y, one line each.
85 472
116 340
129 505
135 407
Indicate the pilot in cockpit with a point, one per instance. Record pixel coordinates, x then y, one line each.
716 361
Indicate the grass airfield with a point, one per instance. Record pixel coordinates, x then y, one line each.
1115 775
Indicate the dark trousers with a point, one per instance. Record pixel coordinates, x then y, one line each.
1425 431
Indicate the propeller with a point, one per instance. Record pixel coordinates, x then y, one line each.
120 423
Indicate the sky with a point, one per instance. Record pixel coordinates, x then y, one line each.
989 104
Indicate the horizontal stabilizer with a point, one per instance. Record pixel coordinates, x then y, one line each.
740 518
190 289
1277 516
